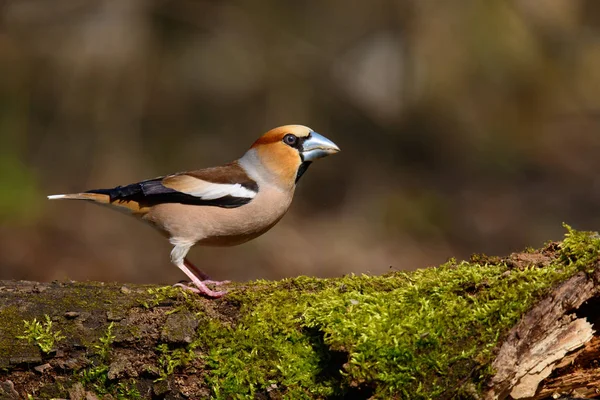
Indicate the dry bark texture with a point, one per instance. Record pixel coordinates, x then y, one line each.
550 339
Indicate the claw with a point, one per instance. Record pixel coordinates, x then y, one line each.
201 289
199 278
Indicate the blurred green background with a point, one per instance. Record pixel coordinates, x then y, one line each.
465 127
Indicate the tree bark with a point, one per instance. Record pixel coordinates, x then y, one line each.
100 340
554 348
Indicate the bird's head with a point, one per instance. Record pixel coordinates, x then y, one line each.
288 150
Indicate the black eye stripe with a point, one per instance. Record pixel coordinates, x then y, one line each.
294 141
300 144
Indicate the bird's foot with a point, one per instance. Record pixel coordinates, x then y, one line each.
201 288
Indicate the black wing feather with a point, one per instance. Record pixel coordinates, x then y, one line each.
152 192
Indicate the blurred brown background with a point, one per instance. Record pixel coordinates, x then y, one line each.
465 127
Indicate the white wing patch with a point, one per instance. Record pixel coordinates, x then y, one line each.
211 191
206 190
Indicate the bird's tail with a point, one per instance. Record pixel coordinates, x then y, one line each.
94 197
106 197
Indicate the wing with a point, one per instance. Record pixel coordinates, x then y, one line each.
228 186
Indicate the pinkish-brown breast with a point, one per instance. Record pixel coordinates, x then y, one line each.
216 226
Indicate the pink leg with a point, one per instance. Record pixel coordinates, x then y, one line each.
197 271
200 287
201 274
180 249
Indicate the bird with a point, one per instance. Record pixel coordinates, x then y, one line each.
220 206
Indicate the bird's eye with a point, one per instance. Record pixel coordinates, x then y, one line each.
290 139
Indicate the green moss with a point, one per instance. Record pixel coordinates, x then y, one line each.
127 391
41 334
412 335
105 343
96 379
171 359
13 327
162 294
91 300
425 334
171 295
96 376
579 249
83 297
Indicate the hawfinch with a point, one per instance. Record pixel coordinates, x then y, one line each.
220 206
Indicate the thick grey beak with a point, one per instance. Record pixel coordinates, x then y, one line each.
317 146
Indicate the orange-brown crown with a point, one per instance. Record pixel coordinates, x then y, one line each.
277 134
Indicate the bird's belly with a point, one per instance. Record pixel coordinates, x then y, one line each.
230 240
214 226
237 231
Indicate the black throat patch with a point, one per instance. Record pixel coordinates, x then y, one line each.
302 169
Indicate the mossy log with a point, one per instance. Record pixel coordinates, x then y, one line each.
489 328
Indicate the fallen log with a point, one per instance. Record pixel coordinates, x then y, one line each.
520 327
